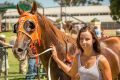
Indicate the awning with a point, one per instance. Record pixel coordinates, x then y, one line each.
9 20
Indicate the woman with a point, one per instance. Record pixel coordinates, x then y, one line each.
88 63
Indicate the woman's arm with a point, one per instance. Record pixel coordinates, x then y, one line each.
105 68
71 71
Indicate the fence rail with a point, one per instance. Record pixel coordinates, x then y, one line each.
41 71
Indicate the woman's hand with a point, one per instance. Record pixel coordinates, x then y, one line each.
54 52
77 51
76 77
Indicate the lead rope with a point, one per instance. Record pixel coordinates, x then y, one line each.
47 50
49 76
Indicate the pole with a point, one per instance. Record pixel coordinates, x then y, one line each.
61 24
6 71
61 10
43 11
5 23
5 53
65 13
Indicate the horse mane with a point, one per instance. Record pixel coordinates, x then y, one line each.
55 36
51 28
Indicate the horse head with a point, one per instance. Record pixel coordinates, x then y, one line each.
28 32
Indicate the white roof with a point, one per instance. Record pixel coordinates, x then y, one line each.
77 9
11 12
89 18
69 10
14 20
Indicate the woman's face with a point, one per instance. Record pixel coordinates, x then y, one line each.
86 40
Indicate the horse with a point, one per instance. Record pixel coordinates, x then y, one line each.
34 29
70 27
36 35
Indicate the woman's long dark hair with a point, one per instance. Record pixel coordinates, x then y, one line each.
96 44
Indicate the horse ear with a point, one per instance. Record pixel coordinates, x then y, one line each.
34 8
20 11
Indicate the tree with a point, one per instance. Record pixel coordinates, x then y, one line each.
71 2
115 9
94 2
79 2
29 2
6 5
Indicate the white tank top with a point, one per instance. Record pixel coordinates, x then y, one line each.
92 73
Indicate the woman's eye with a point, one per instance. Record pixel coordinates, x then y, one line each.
81 39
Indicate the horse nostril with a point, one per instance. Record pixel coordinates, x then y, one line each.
20 50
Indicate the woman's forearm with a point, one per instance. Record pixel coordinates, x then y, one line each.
62 65
70 70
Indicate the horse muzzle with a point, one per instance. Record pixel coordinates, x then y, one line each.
20 53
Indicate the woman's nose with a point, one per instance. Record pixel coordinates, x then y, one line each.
84 41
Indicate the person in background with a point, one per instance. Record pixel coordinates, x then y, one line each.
88 62
103 36
32 67
98 32
23 66
23 63
2 53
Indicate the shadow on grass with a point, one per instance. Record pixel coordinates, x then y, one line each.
17 79
13 73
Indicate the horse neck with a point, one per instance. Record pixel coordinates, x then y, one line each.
50 32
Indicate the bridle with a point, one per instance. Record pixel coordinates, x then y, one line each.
35 36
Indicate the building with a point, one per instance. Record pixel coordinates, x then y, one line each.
76 14
4 26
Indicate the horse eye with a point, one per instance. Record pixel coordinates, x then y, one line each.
32 26
29 26
15 28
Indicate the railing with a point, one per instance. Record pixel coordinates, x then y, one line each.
4 51
41 72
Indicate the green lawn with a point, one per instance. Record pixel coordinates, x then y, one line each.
13 71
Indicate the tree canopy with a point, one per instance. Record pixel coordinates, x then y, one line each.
78 2
115 9
6 5
26 4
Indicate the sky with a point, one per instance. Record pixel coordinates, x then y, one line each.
46 3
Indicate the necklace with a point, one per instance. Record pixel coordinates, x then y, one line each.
87 61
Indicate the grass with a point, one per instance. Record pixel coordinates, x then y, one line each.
13 72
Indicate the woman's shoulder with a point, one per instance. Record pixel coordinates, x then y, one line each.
102 60
101 57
